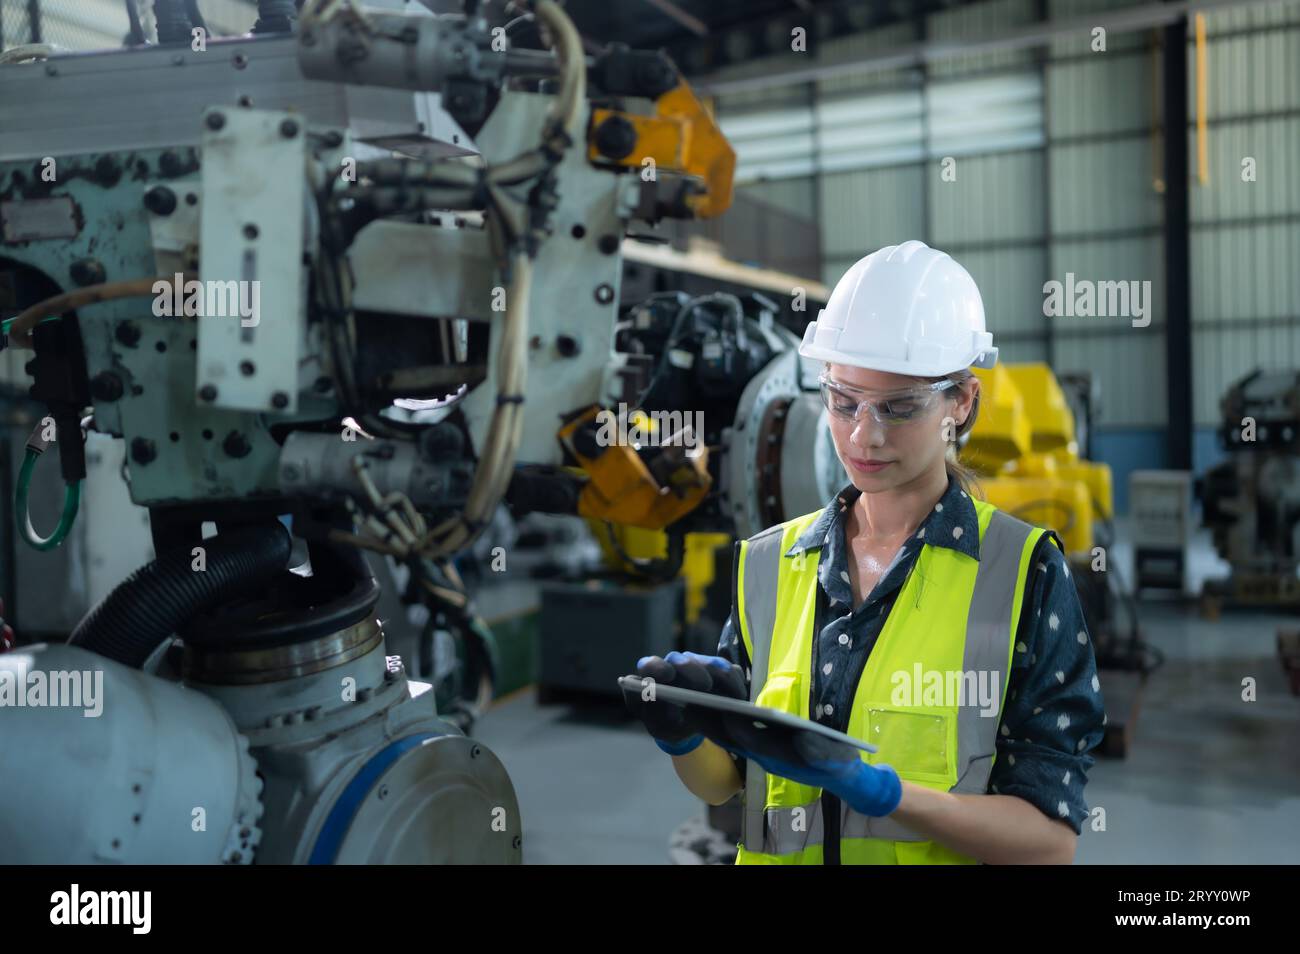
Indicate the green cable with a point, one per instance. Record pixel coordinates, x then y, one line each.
4 325
71 500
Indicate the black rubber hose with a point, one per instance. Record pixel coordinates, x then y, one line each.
275 16
156 600
173 22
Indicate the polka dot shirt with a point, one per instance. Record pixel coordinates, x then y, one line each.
1054 710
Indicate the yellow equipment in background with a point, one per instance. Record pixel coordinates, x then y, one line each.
626 502
635 543
1023 446
621 485
682 136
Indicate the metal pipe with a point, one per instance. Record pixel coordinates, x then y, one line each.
1178 253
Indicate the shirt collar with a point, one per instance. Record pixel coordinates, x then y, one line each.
953 523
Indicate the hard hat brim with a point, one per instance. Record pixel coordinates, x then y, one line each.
986 358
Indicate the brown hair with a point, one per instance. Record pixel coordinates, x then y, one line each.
964 476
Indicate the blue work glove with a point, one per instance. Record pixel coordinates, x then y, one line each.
812 759
679 729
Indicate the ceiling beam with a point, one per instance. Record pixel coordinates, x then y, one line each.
670 9
1119 19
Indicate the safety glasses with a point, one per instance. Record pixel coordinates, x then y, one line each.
889 408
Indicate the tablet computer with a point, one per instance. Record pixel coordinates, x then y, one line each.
739 707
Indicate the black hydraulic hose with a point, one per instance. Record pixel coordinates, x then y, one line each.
275 16
173 22
196 18
136 35
156 600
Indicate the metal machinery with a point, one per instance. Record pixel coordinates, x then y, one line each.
717 356
383 253
1160 508
1251 502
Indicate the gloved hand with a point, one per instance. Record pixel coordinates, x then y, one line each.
812 759
679 729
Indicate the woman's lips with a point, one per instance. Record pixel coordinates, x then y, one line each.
869 466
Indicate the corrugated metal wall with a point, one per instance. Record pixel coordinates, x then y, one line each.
1246 235
1104 210
1087 201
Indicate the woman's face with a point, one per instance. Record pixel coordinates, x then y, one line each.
881 457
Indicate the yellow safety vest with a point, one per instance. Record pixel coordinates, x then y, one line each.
954 614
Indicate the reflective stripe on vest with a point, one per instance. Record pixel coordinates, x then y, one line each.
996 593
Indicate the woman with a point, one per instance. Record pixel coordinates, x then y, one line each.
906 613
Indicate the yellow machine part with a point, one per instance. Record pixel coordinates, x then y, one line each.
1001 432
1060 505
621 488
1051 422
1024 441
680 137
1097 478
697 558
1065 464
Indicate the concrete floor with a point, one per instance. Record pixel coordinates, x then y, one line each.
1209 779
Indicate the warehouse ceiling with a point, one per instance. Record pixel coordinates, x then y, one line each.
705 35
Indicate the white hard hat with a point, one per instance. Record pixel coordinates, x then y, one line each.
909 309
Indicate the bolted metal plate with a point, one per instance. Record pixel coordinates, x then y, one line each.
251 250
448 801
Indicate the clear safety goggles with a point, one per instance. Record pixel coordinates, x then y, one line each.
890 407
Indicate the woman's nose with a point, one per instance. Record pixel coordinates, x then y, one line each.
868 433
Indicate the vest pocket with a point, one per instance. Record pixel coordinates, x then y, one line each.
918 743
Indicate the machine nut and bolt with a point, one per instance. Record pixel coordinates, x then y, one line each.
87 271
143 450
107 171
236 445
169 164
615 138
160 200
208 393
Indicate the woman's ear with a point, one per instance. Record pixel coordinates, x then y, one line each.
967 400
